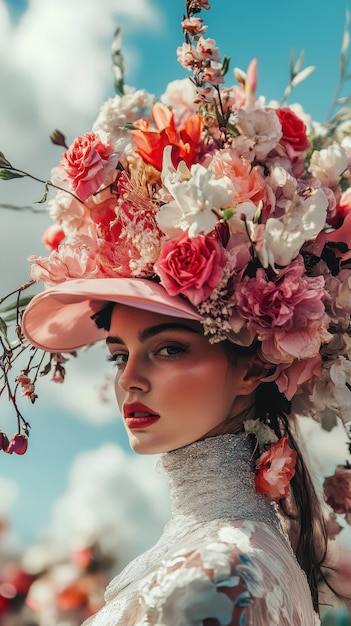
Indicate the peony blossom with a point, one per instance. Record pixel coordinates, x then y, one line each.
287 313
337 491
191 266
263 127
77 259
247 182
275 469
328 164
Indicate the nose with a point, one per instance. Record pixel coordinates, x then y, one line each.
133 376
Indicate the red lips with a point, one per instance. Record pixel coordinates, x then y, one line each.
138 415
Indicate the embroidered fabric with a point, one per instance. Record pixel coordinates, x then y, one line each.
222 556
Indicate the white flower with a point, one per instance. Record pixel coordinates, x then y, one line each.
284 237
346 145
180 95
261 125
67 211
280 179
328 164
116 112
197 194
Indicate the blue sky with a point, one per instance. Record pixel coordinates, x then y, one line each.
268 30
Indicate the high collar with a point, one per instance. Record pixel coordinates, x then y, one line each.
214 479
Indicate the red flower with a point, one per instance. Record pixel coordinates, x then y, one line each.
53 236
293 128
4 441
275 469
337 491
192 266
18 444
185 140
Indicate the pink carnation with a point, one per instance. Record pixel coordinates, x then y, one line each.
287 312
275 469
192 266
86 164
77 259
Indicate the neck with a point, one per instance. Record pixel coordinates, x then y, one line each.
213 479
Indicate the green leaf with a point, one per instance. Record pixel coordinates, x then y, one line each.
10 318
3 328
3 161
45 194
225 65
21 303
228 213
8 174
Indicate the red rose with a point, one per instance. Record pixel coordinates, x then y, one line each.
337 491
192 266
293 129
275 469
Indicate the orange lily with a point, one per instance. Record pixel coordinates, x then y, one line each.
185 140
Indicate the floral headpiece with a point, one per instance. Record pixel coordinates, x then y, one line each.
241 207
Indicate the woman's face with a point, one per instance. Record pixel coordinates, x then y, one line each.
172 386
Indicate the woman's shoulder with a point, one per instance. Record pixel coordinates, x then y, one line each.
233 573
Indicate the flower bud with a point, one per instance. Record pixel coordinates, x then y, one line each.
58 138
18 444
4 442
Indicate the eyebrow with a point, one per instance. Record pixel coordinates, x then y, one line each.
150 332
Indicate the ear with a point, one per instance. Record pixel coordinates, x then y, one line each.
257 369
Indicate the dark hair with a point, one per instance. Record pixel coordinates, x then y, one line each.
307 525
102 318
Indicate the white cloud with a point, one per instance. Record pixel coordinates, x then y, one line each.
114 497
87 392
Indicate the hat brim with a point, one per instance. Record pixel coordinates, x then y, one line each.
59 318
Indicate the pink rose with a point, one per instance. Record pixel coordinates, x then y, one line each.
275 469
86 164
53 236
192 266
337 491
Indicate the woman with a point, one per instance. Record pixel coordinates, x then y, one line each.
208 242
224 555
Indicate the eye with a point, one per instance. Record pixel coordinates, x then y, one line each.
170 351
118 358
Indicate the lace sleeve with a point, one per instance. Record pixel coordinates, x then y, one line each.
225 581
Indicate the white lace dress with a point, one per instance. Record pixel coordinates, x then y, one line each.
223 558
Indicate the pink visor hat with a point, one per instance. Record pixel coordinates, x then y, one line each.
59 318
